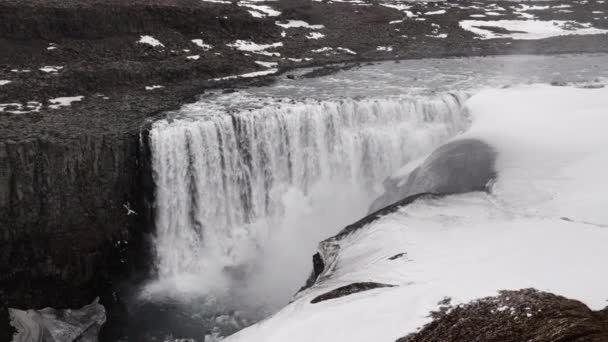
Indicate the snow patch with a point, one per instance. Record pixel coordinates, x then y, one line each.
298 23
200 43
315 35
529 29
64 101
50 68
4 82
154 87
149 40
248 75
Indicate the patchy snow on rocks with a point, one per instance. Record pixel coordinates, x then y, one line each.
64 101
262 9
154 87
298 24
194 57
149 40
248 75
315 35
249 46
4 82
267 64
49 69
384 48
200 43
528 29
19 108
543 225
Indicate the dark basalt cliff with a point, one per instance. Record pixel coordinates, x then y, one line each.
67 235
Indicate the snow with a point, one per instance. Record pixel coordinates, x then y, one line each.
384 48
154 87
194 57
315 35
249 46
530 29
149 40
248 75
18 108
64 101
544 225
4 82
349 51
49 69
323 49
256 14
435 12
267 64
201 44
298 23
267 10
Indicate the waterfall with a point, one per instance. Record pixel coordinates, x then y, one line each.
257 188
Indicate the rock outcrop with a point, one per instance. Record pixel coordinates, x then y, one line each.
514 316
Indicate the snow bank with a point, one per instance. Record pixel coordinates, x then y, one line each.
544 226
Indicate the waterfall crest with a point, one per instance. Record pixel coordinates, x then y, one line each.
276 180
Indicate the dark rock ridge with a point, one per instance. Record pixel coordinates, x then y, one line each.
515 316
68 234
347 290
457 167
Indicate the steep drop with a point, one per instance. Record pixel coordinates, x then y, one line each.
247 195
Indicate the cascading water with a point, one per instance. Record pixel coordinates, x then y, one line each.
243 198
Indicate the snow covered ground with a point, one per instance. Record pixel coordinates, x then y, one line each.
543 225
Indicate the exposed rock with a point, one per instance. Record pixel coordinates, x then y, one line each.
51 325
348 290
515 316
457 167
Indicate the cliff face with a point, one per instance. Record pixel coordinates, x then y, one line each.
67 233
